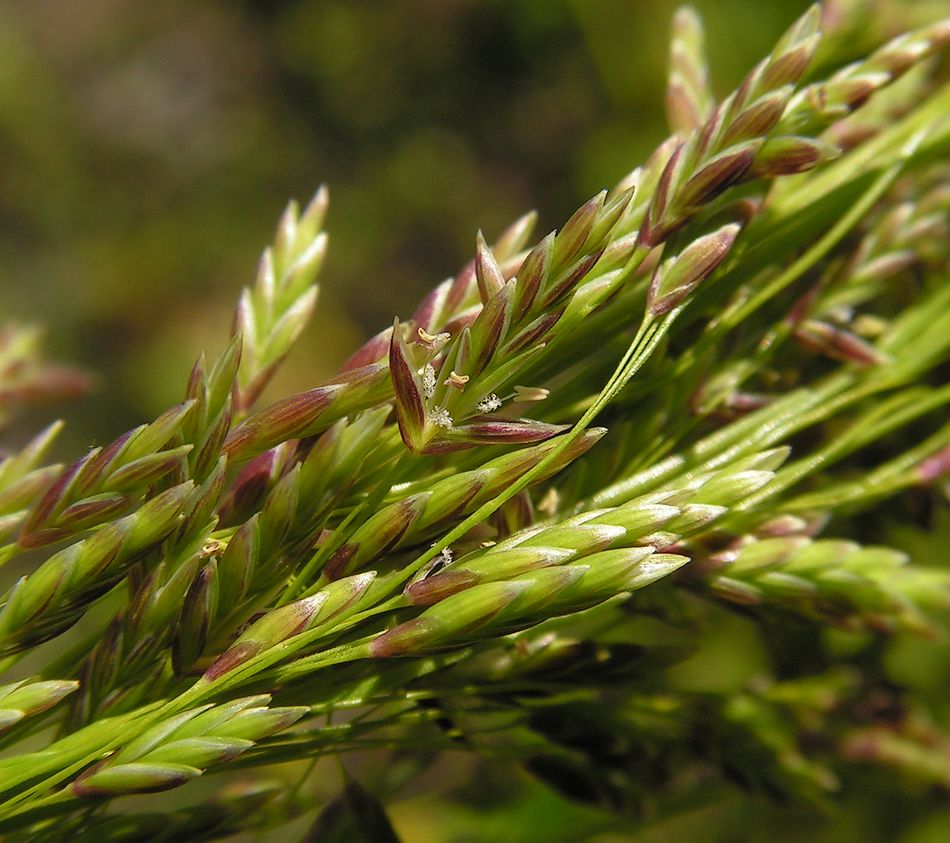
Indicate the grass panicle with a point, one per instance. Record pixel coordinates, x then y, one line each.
521 522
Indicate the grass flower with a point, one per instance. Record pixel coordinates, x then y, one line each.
736 357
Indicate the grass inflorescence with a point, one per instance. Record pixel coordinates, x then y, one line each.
681 404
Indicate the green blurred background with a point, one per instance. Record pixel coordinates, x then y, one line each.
147 149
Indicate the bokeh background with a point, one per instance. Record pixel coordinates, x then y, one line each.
147 149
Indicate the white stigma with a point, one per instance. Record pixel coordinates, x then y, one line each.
428 380
488 404
440 418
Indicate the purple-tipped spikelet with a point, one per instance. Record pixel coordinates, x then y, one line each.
788 154
416 517
841 582
688 98
678 276
106 481
43 603
182 747
283 623
836 342
718 153
493 608
487 271
23 699
309 412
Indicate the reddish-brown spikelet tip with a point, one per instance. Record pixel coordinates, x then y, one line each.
338 563
759 118
720 173
279 422
790 154
674 280
164 777
934 467
572 237
487 272
400 640
836 342
373 350
236 655
485 430
438 587
406 387
791 65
